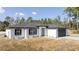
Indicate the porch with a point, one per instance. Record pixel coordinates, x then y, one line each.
29 32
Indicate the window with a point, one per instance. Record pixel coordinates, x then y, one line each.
32 31
17 31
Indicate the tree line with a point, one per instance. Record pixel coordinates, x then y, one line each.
71 22
10 21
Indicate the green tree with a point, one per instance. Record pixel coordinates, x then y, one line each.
42 21
9 19
3 25
29 19
45 21
22 20
73 12
49 21
57 21
17 21
65 23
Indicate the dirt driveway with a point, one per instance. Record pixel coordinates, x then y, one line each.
72 36
69 37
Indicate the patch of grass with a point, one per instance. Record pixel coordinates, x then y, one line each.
39 44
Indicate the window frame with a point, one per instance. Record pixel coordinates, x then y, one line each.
18 32
32 31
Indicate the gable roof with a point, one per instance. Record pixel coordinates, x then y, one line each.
34 24
26 25
50 26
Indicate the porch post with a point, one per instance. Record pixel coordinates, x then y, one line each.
26 33
39 31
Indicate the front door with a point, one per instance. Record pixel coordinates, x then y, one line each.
43 32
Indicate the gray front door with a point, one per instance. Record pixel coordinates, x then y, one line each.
43 32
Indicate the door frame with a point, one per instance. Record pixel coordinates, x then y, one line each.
43 31
40 31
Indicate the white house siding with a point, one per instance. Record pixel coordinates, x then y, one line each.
7 32
26 33
46 32
38 32
10 33
23 33
52 33
67 32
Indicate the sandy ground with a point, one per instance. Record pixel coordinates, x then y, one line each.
68 43
69 37
2 32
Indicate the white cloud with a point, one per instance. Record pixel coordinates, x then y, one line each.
19 14
2 10
16 13
34 13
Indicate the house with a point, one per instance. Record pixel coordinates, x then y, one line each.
27 30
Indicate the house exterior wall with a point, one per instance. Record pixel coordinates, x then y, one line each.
46 32
12 33
25 33
67 32
40 30
34 35
8 33
52 33
37 31
20 36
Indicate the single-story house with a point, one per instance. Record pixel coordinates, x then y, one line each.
34 30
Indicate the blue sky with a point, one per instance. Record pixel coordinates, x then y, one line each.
35 12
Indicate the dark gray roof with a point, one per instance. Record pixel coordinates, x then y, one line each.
25 25
35 25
